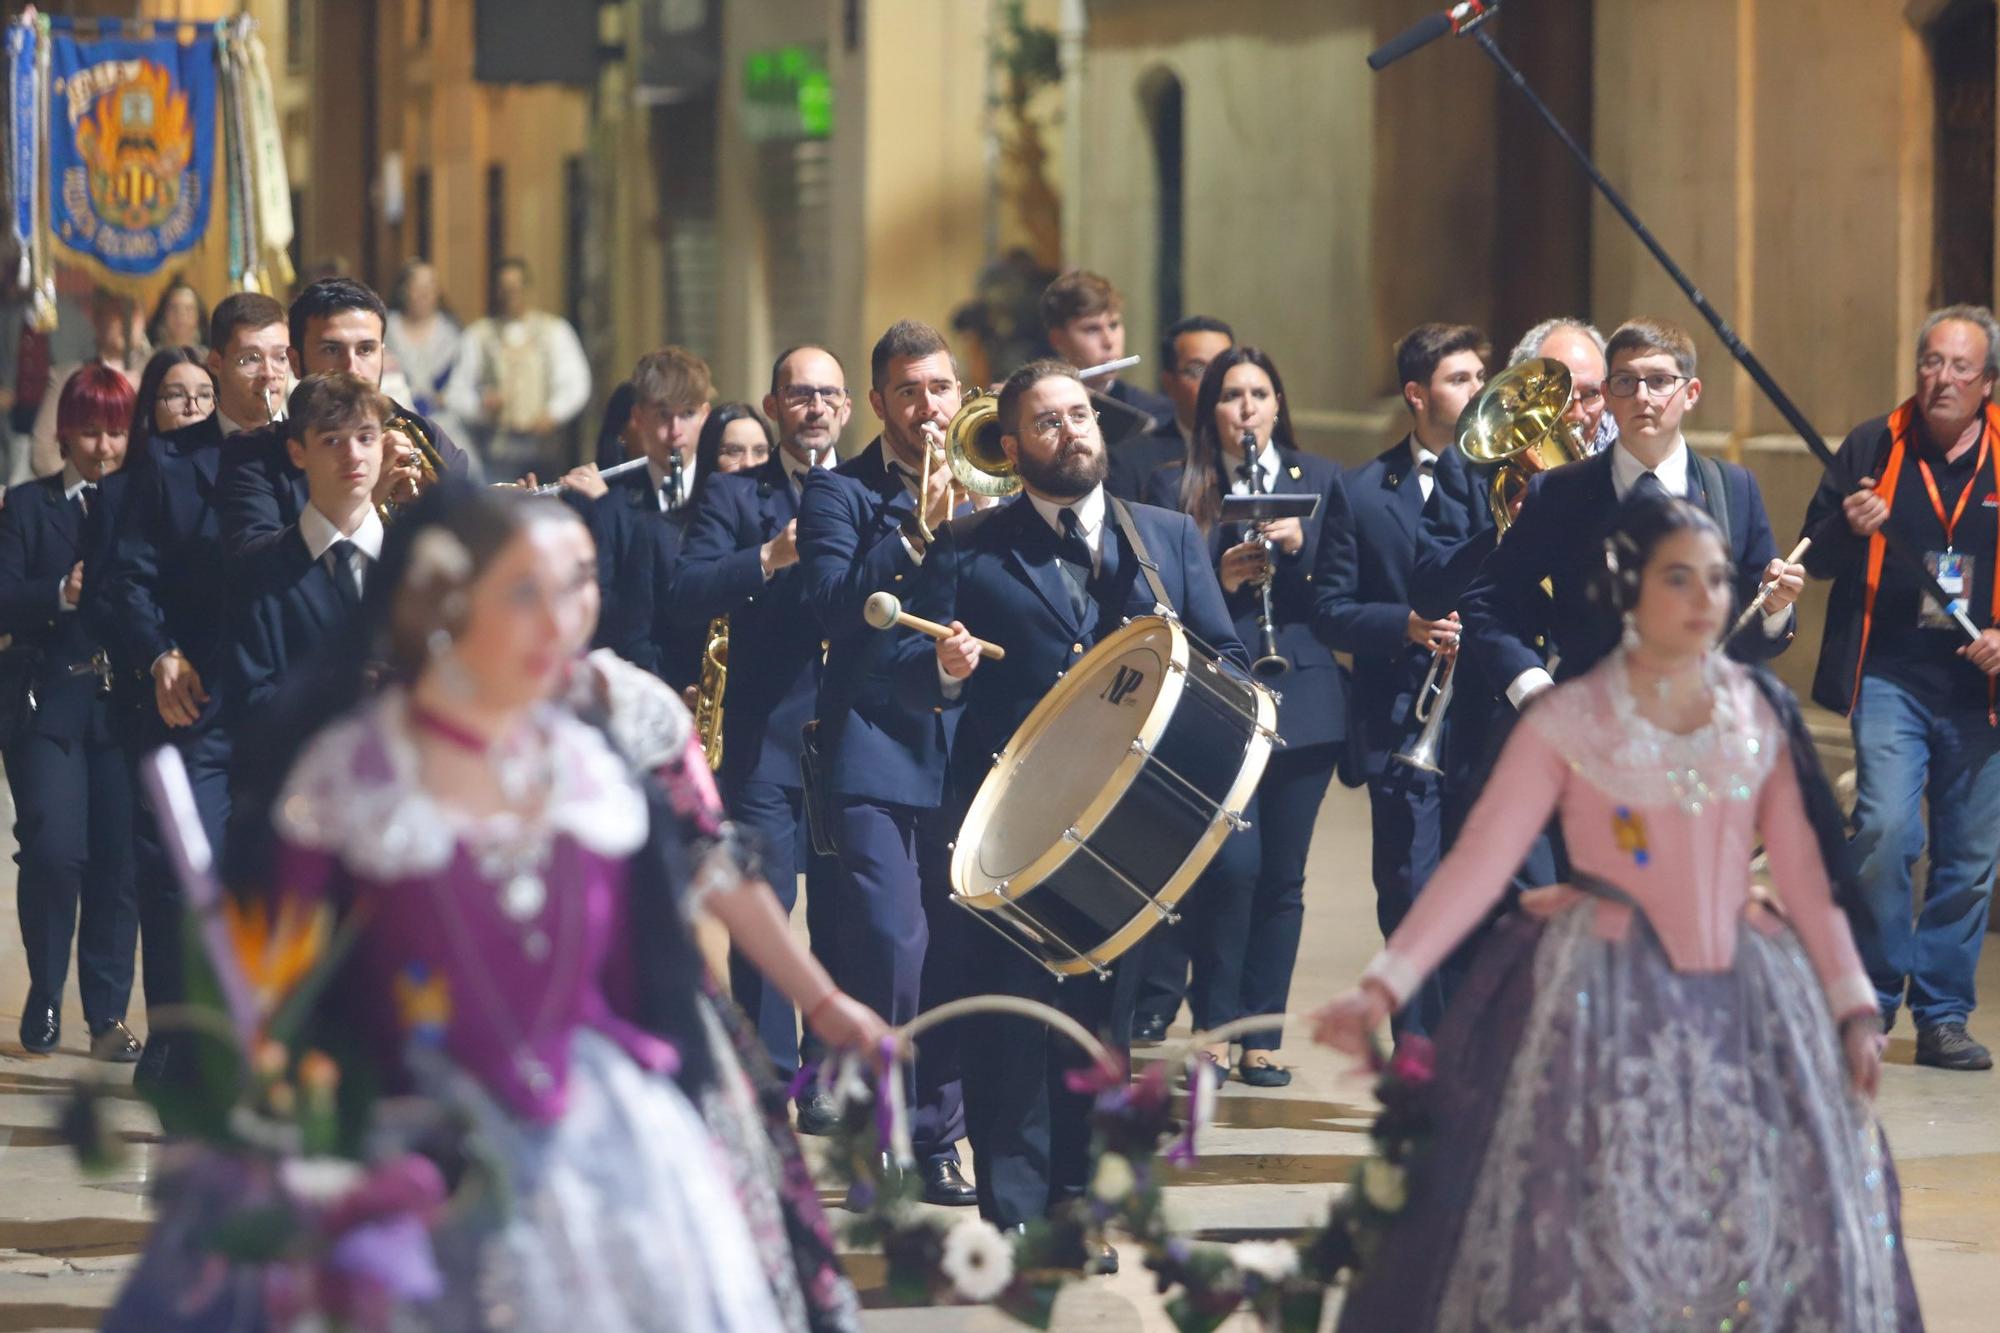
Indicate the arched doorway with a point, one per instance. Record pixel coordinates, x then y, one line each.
1961 41
1161 94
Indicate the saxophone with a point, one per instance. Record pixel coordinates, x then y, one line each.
708 699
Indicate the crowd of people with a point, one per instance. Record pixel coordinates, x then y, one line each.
463 715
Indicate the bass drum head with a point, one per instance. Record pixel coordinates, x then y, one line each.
1070 761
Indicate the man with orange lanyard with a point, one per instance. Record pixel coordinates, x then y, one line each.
1920 697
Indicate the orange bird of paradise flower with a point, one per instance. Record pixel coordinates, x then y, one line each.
276 950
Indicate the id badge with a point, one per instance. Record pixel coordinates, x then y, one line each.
1953 571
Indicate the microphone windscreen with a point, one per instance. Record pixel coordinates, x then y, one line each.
1417 34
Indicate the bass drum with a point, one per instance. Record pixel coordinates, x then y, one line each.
1113 797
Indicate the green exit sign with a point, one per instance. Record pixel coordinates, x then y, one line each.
787 94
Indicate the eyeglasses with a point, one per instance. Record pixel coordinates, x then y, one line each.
182 397
1192 371
1960 372
743 451
802 395
250 361
1658 385
1078 419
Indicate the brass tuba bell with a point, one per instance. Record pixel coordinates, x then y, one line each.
972 447
1516 426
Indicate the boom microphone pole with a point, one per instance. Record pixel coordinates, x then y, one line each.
1467 19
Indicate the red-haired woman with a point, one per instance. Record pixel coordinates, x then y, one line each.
72 786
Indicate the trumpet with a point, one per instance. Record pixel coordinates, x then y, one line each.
708 698
422 454
1433 698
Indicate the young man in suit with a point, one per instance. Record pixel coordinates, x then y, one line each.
1367 610
741 559
334 435
160 601
882 751
1560 531
71 781
336 324
1046 576
1084 317
1186 348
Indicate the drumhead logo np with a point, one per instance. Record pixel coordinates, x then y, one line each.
1123 684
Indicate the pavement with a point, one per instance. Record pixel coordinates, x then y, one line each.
1272 1163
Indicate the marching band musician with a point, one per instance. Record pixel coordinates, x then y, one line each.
71 783
1559 533
884 752
336 325
1045 576
1186 348
156 591
1366 609
1254 900
741 559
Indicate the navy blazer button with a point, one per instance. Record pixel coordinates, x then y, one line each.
1076 647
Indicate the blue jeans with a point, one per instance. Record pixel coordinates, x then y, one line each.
1906 752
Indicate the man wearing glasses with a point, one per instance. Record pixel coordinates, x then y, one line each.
155 591
1559 534
1919 697
1046 577
1186 348
741 559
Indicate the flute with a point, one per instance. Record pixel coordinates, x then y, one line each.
1756 606
607 474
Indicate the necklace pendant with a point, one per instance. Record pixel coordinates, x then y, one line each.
524 896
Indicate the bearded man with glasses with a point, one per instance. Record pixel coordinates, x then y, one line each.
1919 698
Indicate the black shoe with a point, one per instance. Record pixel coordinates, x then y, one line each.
156 1065
41 1027
945 1184
1950 1046
113 1043
1263 1074
1107 1260
1149 1029
1221 1068
817 1115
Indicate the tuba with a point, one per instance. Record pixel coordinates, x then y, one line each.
423 455
1515 425
708 697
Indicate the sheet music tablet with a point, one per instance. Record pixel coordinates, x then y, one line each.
1268 508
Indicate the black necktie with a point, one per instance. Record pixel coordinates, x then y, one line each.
1073 552
1650 487
83 497
670 493
345 564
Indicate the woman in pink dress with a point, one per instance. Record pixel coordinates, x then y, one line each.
1652 1104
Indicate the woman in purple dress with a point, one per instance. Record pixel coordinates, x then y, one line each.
522 958
1651 1108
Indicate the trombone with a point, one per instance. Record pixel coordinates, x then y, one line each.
1516 426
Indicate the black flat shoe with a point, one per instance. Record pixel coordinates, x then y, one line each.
1221 1068
113 1043
1149 1029
945 1184
1107 1261
1264 1074
817 1115
41 1027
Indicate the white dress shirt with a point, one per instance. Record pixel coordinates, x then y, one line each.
1091 512
73 485
319 534
1424 463
660 476
1267 468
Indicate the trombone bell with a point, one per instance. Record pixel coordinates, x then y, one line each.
972 447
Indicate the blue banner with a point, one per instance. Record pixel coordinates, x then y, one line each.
131 149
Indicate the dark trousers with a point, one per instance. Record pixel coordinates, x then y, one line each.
73 821
1030 1133
162 906
901 947
1288 800
1405 816
777 814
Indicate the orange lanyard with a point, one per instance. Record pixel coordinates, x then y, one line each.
1971 484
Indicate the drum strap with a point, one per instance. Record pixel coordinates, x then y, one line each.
1146 566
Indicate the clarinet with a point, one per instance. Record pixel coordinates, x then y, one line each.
1272 663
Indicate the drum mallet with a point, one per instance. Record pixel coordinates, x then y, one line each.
884 611
1764 593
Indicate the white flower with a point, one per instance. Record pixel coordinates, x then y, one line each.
1383 1185
1113 1179
318 1180
978 1260
1272 1260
